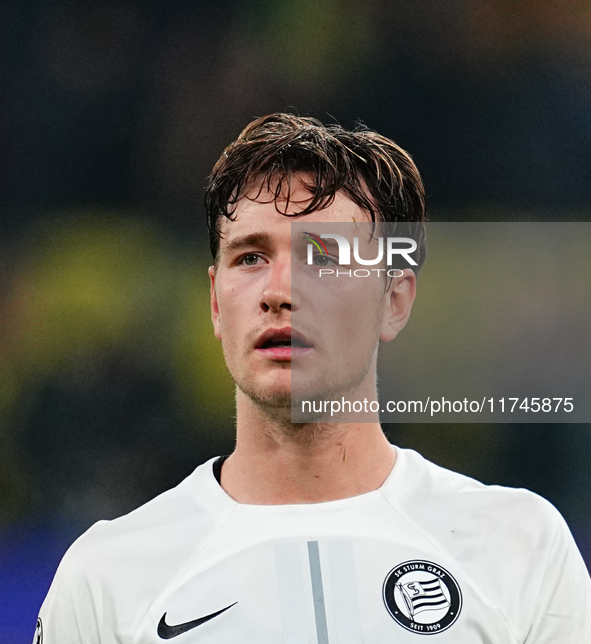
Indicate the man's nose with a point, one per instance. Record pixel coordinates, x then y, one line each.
277 293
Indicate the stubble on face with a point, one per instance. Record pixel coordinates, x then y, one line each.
279 404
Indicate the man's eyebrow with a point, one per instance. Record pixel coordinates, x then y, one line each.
253 239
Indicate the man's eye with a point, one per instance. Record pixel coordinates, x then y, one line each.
322 260
249 260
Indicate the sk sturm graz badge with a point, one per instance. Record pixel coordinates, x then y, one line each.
38 639
422 597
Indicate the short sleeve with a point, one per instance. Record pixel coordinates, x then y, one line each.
69 614
562 612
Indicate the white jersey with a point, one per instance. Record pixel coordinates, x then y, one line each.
430 555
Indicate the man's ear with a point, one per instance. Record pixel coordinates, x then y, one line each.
215 309
398 303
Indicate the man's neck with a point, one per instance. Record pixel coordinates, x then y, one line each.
276 462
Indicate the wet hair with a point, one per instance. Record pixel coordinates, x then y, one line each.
370 169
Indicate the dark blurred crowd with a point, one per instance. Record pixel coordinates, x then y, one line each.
129 103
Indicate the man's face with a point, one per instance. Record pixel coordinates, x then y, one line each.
300 336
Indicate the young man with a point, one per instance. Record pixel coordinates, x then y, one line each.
317 533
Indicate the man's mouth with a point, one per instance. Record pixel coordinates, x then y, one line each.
283 344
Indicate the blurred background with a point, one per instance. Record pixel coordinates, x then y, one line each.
112 387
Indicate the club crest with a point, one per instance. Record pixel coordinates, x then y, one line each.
422 597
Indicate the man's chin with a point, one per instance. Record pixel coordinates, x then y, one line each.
276 401
275 397
279 397
290 393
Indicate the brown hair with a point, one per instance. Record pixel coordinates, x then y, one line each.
374 172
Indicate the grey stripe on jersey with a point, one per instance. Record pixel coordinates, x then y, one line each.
330 586
318 592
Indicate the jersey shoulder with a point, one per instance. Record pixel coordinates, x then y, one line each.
112 574
512 544
436 495
159 535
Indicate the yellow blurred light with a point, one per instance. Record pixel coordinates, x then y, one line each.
86 281
204 381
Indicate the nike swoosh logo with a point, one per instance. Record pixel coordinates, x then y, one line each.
167 632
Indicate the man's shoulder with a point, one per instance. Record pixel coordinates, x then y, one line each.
512 544
162 529
444 499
